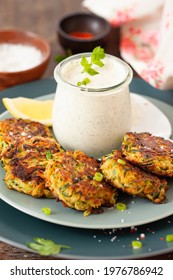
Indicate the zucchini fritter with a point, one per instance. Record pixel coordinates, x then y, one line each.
70 178
132 180
152 153
12 130
25 164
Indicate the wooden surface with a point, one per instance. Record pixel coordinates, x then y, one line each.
41 17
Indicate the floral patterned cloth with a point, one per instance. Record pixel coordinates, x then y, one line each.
146 35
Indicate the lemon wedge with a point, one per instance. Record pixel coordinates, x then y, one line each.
32 109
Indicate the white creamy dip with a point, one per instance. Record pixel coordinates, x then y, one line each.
94 118
113 72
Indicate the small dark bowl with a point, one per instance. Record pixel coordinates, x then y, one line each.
85 25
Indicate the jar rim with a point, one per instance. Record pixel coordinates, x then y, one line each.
125 82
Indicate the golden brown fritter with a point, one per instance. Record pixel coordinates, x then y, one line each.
13 130
75 179
152 153
25 164
132 180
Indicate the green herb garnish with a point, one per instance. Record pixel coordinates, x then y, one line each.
46 247
98 176
121 206
46 210
84 82
169 238
4 144
96 59
88 67
136 244
121 161
97 55
48 155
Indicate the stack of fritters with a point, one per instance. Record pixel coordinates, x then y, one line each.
154 154
70 177
28 147
36 165
139 167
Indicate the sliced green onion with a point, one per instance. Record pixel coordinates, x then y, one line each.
4 144
121 206
121 161
98 176
87 212
169 237
48 155
84 82
136 244
46 210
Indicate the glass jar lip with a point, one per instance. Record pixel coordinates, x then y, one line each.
125 82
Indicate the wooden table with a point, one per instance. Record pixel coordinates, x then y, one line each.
41 17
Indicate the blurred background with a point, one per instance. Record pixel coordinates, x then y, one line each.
42 17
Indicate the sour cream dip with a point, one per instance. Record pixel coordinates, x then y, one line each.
94 117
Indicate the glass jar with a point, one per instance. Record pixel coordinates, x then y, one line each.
90 118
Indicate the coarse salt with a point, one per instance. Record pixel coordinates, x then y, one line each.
18 57
142 235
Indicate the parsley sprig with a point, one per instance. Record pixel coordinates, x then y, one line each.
46 247
96 59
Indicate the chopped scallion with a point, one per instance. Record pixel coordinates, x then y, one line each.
98 176
48 155
121 161
84 82
169 237
136 244
121 206
46 210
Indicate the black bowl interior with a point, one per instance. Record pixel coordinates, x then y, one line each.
84 23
